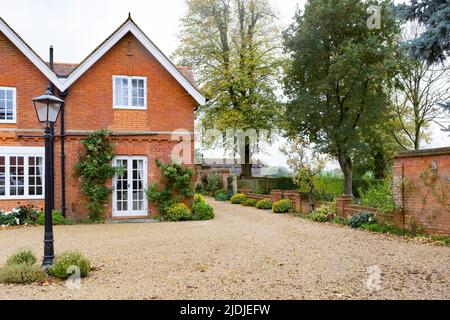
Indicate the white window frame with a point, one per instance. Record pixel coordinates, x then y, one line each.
130 91
25 152
14 119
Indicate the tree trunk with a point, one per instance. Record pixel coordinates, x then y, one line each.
346 166
246 167
379 165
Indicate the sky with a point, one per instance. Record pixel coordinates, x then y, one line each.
76 27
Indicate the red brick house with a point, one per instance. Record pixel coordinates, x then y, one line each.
126 85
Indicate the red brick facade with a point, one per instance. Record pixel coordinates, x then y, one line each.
422 189
89 107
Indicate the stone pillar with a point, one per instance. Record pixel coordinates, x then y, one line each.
295 197
276 195
235 184
341 203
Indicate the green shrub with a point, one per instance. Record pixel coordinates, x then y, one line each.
379 196
214 182
264 204
62 268
57 216
360 219
8 219
198 198
198 188
282 206
178 212
22 257
221 195
174 186
250 203
324 213
202 211
22 273
238 198
318 216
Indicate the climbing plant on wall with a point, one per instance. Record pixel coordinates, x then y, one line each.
94 168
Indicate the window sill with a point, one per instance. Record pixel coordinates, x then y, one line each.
130 108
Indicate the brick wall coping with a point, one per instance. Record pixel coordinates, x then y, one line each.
424 152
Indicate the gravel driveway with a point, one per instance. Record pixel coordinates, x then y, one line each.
243 254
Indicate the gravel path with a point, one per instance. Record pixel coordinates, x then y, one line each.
243 254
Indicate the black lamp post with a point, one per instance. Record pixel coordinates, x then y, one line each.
47 109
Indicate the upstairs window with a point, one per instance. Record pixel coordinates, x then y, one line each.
7 105
129 92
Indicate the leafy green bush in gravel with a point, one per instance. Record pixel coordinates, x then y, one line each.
22 257
360 219
21 273
282 206
250 203
202 211
264 204
21 268
65 263
178 212
238 198
198 198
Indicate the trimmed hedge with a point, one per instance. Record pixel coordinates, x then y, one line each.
202 211
238 198
264 204
178 212
250 203
282 206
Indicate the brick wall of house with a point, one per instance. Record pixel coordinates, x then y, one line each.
425 202
89 106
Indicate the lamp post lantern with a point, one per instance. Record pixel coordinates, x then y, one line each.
47 109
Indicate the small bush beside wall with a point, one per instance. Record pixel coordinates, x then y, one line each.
178 212
58 218
360 219
250 203
282 206
264 204
221 195
238 198
202 211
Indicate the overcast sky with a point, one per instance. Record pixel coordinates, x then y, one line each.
76 27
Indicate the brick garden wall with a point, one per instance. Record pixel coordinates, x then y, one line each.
422 189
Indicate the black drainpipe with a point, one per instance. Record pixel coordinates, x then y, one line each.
63 95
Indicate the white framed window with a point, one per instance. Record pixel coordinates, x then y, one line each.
7 105
21 173
129 92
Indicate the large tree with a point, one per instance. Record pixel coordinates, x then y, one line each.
233 46
434 43
339 77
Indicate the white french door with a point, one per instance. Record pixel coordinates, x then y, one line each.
129 198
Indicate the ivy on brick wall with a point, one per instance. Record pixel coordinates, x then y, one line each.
175 186
94 167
